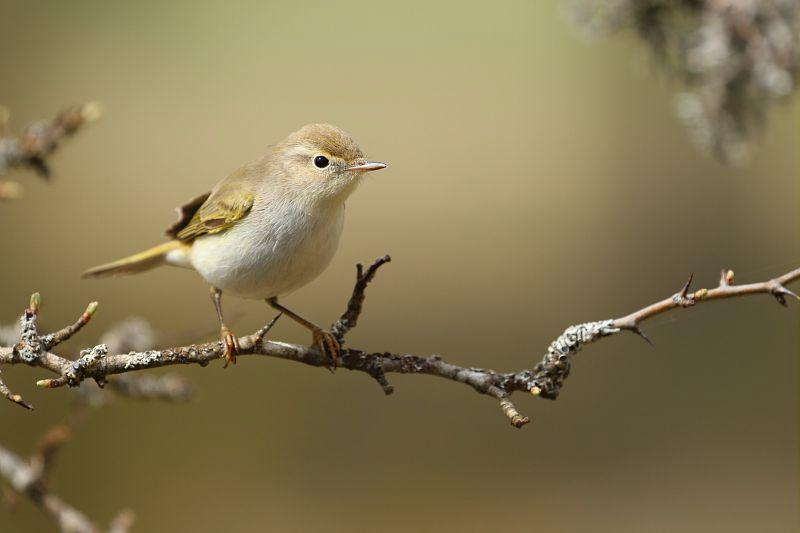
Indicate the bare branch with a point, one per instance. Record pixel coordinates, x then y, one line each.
349 318
65 333
551 372
37 142
10 396
545 380
30 479
735 60
41 462
23 480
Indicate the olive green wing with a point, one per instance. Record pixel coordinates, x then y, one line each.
214 212
185 214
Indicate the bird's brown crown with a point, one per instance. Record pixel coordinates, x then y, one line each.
327 138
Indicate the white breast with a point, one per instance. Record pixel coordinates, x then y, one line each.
271 252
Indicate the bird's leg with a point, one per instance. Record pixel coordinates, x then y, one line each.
227 338
324 340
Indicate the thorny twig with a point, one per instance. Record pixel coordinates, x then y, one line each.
37 142
545 380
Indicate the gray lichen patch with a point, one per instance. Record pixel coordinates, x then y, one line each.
575 336
142 359
92 355
30 347
550 373
86 362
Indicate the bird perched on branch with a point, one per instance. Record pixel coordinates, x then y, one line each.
267 229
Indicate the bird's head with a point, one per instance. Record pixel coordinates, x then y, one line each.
323 163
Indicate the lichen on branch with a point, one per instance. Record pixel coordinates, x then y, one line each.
545 380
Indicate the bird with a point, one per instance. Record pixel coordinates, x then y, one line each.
267 229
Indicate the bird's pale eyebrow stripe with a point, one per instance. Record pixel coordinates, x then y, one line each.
300 150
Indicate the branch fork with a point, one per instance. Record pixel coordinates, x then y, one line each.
38 142
545 380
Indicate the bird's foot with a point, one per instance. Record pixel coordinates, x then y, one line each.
329 346
231 345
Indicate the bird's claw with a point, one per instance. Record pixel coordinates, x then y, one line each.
231 345
329 346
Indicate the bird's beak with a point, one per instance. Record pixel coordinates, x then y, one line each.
367 166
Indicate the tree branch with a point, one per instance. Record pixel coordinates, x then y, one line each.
10 396
31 479
37 142
720 52
545 380
349 318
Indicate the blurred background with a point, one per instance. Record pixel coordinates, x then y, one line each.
537 179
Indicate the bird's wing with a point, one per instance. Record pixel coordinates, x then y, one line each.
185 214
229 202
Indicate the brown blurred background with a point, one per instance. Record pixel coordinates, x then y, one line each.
535 181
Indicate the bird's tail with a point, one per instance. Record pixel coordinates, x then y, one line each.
151 258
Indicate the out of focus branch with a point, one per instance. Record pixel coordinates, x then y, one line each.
168 387
31 479
734 58
545 380
37 142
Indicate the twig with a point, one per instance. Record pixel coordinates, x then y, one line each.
545 380
549 375
30 479
22 480
719 51
349 318
41 462
10 396
65 333
37 142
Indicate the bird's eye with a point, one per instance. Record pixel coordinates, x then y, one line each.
321 161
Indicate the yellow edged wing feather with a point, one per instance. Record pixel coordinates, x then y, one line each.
230 202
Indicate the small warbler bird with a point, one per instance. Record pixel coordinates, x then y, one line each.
267 229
